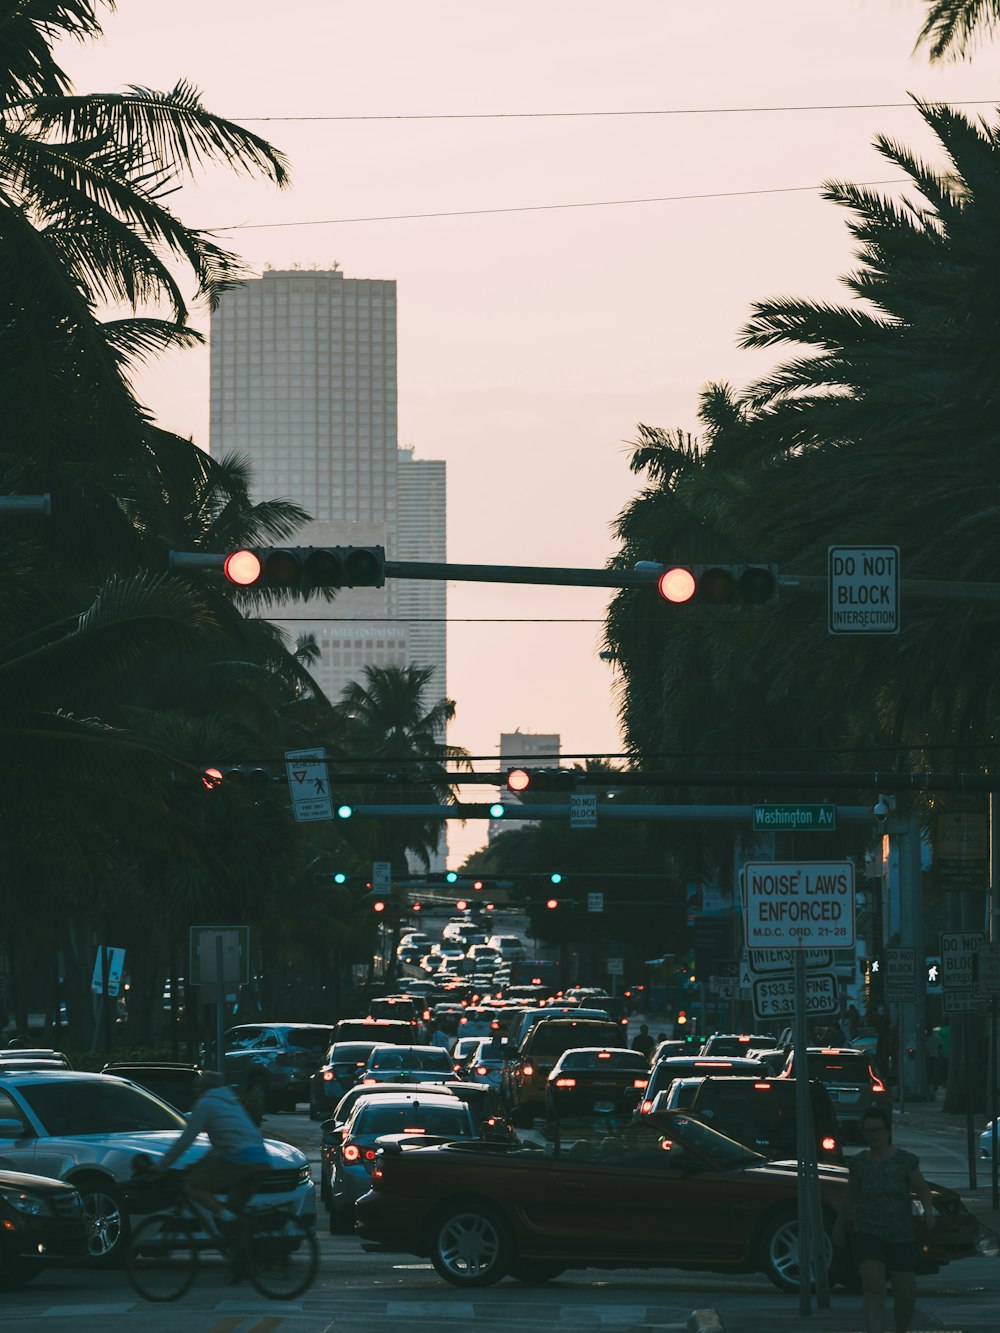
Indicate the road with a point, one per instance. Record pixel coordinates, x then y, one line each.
360 1292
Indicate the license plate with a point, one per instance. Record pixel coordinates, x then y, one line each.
604 1106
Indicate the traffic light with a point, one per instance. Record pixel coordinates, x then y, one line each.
378 905
307 567
462 905
252 778
540 779
720 585
552 904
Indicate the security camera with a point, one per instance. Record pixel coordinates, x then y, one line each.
881 811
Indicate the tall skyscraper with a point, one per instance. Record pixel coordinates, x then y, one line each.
303 384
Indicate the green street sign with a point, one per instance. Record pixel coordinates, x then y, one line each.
794 818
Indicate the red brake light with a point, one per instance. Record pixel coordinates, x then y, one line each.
645 1108
352 1152
829 1144
369 1080
745 1040
565 1082
877 1084
527 1070
327 1075
604 1055
763 1087
370 1152
482 1071
639 1082
377 1177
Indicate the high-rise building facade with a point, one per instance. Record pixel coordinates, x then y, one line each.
303 384
523 749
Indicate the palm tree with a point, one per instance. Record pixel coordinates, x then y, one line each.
953 26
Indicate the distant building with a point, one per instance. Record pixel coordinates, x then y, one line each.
523 749
303 384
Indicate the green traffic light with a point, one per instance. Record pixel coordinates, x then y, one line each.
451 877
344 811
497 811
555 879
340 878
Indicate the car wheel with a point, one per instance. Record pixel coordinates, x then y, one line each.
779 1250
107 1222
528 1271
471 1246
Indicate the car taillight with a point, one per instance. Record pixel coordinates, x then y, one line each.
369 1080
351 1152
482 1071
565 1082
639 1082
645 1108
527 1070
458 1068
378 1175
327 1075
829 1144
877 1084
427 1015
763 1087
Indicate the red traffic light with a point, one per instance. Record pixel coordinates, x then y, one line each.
242 567
461 905
477 883
417 907
677 585
552 904
211 778
518 779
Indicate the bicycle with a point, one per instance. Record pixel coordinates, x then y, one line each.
270 1246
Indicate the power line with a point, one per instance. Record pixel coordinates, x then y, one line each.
634 112
540 208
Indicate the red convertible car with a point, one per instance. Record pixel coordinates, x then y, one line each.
669 1192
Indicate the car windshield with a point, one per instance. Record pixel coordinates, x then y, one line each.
426 1057
349 1052
838 1069
603 1060
71 1107
724 1152
395 1119
308 1039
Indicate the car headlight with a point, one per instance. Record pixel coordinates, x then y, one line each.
32 1205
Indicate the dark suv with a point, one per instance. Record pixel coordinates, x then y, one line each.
275 1060
851 1080
757 1112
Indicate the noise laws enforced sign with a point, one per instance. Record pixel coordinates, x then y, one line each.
799 904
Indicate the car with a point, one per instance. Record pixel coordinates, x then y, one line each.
89 1129
398 1009
665 1071
678 1046
439 1114
462 1049
524 1078
775 1059
484 1062
338 1072
595 1080
758 1112
44 1054
407 1064
175 1083
527 1018
986 1142
275 1061
851 1080
41 1223
510 947
665 1193
735 1043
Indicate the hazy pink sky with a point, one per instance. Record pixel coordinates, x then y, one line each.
531 343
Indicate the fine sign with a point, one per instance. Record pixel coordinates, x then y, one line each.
799 905
774 997
863 589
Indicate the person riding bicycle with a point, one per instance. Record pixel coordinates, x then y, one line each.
238 1158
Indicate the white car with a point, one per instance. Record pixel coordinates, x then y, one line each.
986 1142
88 1130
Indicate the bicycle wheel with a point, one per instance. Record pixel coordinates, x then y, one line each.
162 1258
282 1256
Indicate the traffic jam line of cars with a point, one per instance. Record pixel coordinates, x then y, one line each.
535 1141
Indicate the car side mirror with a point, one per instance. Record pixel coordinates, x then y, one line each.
15 1129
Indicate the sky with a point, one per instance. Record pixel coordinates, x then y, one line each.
543 311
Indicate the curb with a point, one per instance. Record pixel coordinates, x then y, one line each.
705 1321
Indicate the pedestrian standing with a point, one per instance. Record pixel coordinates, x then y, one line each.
877 1208
643 1041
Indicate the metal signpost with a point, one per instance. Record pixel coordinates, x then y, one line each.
801 906
219 964
900 989
958 953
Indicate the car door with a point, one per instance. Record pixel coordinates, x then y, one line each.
17 1142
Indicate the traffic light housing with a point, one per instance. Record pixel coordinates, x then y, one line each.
720 585
305 568
252 778
540 779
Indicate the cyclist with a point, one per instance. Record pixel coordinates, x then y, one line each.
238 1158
